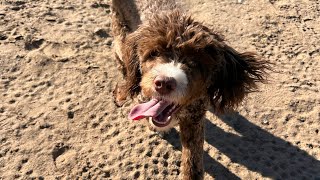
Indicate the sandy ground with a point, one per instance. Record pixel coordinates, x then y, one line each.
58 119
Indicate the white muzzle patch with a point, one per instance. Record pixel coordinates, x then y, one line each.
173 70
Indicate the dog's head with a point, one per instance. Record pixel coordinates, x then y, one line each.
174 60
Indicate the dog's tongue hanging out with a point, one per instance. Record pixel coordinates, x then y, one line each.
159 110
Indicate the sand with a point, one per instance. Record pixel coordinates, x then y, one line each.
58 119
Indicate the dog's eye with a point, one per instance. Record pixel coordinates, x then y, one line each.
153 54
192 64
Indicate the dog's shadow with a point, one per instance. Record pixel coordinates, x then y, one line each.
256 149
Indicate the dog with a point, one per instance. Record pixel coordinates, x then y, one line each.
180 68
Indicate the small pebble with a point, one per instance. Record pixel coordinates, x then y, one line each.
70 114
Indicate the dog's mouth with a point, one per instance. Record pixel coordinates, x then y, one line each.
160 111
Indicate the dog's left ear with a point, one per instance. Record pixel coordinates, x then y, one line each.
237 75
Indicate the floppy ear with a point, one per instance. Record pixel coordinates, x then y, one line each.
132 66
237 75
129 62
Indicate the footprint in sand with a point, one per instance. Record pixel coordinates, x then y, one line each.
58 50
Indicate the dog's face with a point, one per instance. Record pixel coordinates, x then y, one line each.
174 80
173 76
175 61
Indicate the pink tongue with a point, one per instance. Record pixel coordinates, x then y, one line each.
149 109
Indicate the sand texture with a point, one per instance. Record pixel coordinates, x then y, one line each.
58 119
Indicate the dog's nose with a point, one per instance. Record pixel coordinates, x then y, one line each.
164 85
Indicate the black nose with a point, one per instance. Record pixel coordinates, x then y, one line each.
164 85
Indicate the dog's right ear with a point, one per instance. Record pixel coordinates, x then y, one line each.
132 65
126 54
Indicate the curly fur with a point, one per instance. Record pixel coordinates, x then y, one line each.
150 33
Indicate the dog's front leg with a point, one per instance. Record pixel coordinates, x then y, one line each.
192 139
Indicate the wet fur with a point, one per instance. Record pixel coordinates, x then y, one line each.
218 75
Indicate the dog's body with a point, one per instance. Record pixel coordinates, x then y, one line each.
181 68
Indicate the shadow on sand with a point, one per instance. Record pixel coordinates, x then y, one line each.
256 149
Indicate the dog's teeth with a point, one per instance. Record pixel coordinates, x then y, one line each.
172 109
160 122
